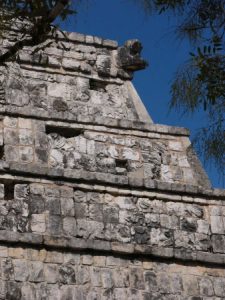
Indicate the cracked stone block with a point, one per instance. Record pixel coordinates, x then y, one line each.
67 274
36 269
20 270
137 279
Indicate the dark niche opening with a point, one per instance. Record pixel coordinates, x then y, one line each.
121 163
2 152
9 187
98 85
64 131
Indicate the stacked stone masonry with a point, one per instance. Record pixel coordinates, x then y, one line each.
96 201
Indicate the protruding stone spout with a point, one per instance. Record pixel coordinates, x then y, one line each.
129 56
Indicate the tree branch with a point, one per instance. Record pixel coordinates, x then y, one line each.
38 32
57 10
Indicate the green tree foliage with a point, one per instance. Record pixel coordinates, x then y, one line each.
200 82
34 19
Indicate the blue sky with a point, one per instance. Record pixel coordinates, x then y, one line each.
122 20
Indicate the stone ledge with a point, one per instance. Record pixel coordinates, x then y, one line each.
75 37
110 179
212 197
77 244
97 121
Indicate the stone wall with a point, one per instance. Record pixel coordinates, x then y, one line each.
79 76
161 224
75 151
96 201
28 273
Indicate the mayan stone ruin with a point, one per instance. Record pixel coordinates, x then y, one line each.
96 201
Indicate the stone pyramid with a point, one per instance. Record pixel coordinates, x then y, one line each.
97 201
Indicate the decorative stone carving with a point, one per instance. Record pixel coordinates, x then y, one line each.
129 56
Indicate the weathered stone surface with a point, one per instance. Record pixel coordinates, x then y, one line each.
96 201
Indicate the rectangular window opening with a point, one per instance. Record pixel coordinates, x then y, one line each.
121 163
64 131
9 187
97 85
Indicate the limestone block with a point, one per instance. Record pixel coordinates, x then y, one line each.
191 286
53 206
71 64
67 206
161 237
11 153
96 212
107 278
130 154
11 136
21 191
67 274
25 137
7 269
3 251
203 226
28 291
54 224
20 270
83 276
219 287
96 277
110 215
13 290
38 224
36 269
188 224
184 240
171 222
217 225
137 279
206 287
72 258
87 260
25 123
2 191
166 173
79 196
86 68
54 257
175 146
54 62
218 242
103 65
69 226
99 261
26 154
10 122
